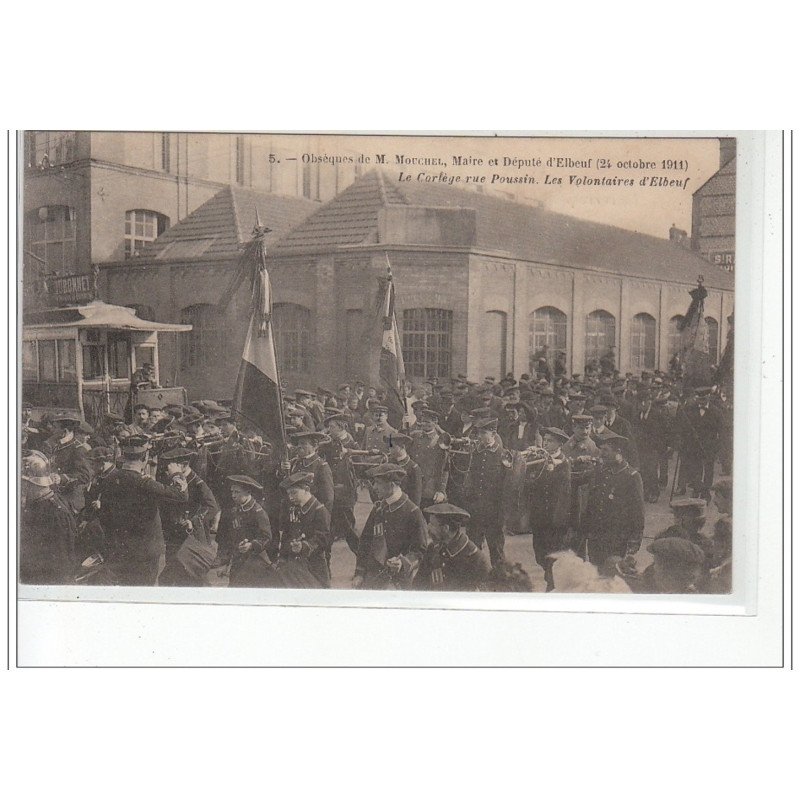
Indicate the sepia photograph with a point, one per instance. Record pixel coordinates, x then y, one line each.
413 364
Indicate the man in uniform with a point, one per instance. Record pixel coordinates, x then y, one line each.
700 426
305 528
233 457
336 453
398 454
449 416
47 528
483 490
429 448
131 517
190 530
452 563
376 435
395 535
551 499
69 461
613 524
309 460
247 533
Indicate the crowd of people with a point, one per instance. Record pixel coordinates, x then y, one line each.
173 496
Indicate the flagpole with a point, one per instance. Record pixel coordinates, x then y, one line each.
390 280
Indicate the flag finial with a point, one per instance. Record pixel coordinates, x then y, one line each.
259 231
388 267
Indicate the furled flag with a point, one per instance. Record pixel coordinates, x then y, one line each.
391 369
257 399
694 353
724 376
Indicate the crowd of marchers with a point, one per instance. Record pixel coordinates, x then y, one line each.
188 496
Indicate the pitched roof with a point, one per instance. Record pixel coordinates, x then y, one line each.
524 231
222 224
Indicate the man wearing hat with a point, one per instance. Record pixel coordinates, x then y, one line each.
483 490
190 530
452 563
108 431
613 523
305 528
411 484
600 413
235 456
651 432
699 430
395 535
520 427
449 416
677 568
246 535
130 514
47 527
429 449
689 519
580 448
68 461
551 503
376 435
337 454
309 460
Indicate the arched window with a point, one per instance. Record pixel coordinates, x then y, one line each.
51 238
713 339
674 336
643 342
493 339
291 324
547 326
203 344
427 341
142 226
354 332
601 333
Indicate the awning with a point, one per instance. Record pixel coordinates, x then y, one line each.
97 315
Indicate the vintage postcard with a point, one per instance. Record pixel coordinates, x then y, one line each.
254 366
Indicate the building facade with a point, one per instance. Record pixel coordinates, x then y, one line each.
482 284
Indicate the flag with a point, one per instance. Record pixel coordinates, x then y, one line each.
257 399
391 370
724 376
694 348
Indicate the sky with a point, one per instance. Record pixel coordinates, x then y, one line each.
649 210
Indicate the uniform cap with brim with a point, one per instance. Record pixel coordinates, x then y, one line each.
309 436
297 479
101 454
678 551
557 432
486 424
380 409
582 418
418 405
598 409
177 454
135 445
68 419
448 510
481 413
390 472
689 506
428 413
244 480
340 418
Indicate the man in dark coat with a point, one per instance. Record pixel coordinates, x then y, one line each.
551 498
336 453
309 460
520 427
651 432
449 416
305 529
483 489
429 448
398 454
613 523
245 525
700 425
452 563
69 461
394 538
234 456
47 528
131 518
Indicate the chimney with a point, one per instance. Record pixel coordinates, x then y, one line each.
727 150
678 235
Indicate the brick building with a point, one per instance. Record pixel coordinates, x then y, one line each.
714 211
482 283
